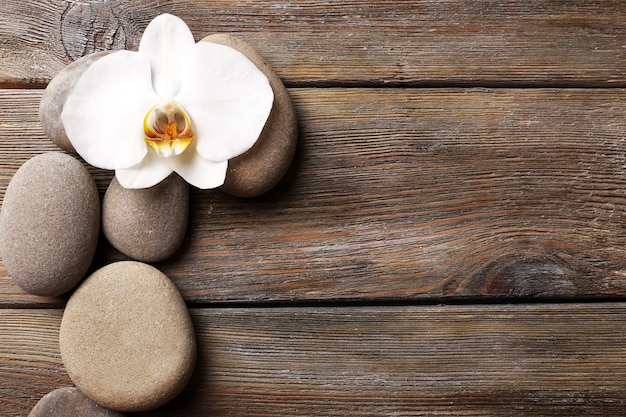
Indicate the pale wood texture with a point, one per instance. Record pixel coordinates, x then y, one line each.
346 42
464 152
532 360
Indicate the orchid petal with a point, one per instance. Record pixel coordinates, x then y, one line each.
197 171
166 42
102 115
228 98
151 171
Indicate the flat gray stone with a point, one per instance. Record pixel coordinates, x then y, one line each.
70 402
260 168
49 224
126 338
55 95
146 224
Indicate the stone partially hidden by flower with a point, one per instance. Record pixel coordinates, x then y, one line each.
70 402
55 95
149 224
49 224
126 338
173 106
265 164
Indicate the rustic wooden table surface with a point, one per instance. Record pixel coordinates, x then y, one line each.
451 236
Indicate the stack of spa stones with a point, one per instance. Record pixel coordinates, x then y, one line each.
127 340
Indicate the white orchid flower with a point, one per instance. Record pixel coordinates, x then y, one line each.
174 105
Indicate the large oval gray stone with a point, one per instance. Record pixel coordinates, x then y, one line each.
49 224
146 224
126 338
260 168
70 402
55 95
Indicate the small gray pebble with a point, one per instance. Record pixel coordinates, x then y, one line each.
49 224
70 402
147 224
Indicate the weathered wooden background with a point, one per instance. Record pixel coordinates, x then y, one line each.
451 237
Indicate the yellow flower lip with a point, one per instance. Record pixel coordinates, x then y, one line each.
168 129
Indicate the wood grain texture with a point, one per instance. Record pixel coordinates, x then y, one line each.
306 300
30 360
406 194
488 43
531 360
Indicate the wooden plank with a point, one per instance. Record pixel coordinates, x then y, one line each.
543 42
531 360
30 361
405 194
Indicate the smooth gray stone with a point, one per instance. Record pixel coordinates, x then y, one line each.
70 402
55 95
263 166
146 224
49 224
126 338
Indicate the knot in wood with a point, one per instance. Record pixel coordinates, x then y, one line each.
88 27
529 276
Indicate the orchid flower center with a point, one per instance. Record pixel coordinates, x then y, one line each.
168 129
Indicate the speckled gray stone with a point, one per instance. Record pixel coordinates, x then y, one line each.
146 224
49 224
126 338
259 169
70 402
55 95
